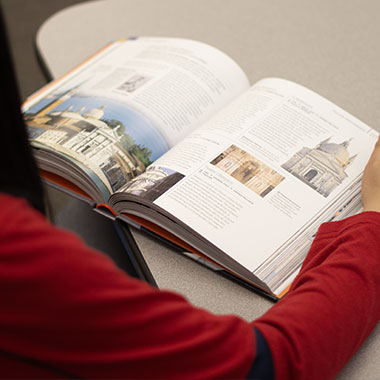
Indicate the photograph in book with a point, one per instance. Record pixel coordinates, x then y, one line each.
153 183
114 141
323 167
133 83
248 170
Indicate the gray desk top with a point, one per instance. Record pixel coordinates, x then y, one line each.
330 46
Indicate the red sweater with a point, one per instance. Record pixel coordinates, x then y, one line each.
67 309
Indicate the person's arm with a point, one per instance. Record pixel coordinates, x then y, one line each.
334 303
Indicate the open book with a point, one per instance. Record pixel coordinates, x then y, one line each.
169 135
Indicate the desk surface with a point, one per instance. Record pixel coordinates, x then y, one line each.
329 46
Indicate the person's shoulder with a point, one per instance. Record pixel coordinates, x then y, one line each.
18 212
10 203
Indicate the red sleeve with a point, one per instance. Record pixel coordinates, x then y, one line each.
333 304
69 307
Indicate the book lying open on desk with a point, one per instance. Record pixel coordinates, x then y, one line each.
169 134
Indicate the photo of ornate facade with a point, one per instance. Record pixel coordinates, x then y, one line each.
153 183
84 136
322 167
248 170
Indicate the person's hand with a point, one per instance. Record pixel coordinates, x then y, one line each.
371 181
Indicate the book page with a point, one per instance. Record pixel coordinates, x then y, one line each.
125 107
261 169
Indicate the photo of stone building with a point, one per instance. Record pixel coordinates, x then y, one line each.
153 183
85 136
248 170
323 167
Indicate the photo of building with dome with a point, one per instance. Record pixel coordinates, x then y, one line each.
80 128
323 167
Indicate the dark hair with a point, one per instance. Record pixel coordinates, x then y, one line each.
18 170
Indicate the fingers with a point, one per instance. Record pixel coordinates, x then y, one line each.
371 181
374 160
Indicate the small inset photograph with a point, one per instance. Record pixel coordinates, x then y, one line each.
248 170
133 83
323 167
154 182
